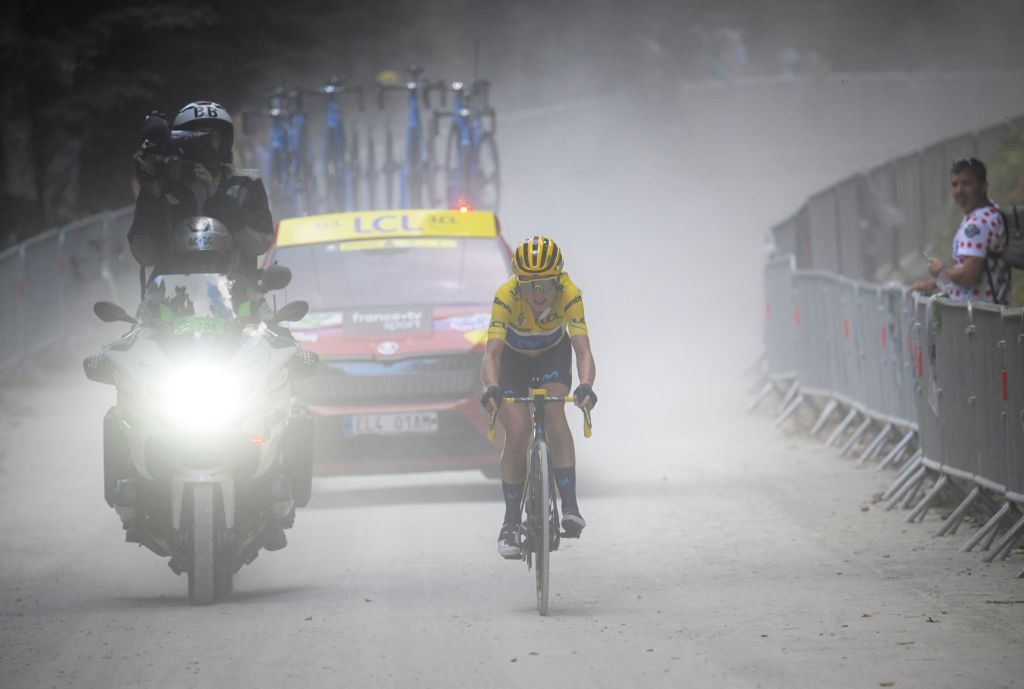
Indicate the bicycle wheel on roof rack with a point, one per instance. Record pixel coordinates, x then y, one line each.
487 175
433 174
455 169
415 176
352 173
370 171
390 171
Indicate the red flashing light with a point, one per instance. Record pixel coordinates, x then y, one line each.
463 208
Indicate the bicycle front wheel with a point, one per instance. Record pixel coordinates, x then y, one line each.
541 503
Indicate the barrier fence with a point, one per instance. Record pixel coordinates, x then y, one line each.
925 383
868 224
49 283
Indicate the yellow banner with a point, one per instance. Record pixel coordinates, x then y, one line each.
343 227
399 243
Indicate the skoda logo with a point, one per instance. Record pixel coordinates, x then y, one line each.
387 348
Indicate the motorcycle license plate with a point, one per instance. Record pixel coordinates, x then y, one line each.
391 424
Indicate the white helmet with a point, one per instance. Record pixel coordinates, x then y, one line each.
206 112
201 245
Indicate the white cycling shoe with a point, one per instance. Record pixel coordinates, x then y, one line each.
573 524
508 542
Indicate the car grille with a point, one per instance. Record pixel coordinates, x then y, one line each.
415 379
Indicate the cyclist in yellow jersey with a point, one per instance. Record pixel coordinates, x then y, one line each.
536 322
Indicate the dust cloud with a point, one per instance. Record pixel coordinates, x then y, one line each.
658 143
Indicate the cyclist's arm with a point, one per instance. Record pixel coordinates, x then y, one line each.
578 333
584 358
501 313
490 374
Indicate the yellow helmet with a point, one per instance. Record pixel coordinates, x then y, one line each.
537 257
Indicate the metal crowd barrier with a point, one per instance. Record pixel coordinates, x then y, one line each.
49 283
892 369
937 383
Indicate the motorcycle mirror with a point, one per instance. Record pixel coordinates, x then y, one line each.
292 311
275 277
109 312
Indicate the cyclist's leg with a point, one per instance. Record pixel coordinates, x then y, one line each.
563 450
515 421
553 372
555 375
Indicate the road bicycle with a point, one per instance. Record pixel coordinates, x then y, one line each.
471 167
341 172
416 188
541 533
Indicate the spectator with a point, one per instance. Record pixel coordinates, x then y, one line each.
979 272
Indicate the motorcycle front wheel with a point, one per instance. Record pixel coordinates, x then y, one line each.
208 576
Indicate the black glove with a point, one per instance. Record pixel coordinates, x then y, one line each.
583 391
491 394
227 210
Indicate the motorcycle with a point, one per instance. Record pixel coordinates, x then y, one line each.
206 453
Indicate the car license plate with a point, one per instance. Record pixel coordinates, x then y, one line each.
391 424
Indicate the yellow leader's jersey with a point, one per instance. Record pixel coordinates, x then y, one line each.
513 322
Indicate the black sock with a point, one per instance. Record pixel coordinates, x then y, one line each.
566 481
513 493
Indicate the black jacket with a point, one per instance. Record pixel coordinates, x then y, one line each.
240 202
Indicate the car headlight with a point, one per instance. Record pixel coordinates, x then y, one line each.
201 397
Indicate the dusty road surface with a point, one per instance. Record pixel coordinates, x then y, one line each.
719 552
732 556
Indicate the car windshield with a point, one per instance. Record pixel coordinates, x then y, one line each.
441 271
173 297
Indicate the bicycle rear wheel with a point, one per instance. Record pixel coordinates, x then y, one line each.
540 524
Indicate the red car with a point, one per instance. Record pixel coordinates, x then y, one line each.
399 303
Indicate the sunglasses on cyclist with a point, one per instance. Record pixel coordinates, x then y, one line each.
538 285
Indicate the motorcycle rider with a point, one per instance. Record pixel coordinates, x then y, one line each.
178 183
175 187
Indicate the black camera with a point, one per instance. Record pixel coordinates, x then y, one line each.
171 154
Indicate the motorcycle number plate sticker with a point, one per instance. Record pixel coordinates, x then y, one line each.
391 424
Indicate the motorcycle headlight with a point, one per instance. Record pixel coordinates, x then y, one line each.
202 397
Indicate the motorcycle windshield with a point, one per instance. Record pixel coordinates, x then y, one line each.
199 304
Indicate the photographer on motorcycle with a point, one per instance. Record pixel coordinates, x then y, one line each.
185 170
187 178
